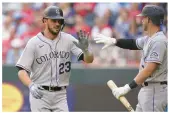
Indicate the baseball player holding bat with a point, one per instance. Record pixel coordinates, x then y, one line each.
47 58
152 74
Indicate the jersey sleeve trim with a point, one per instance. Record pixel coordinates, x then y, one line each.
79 55
18 65
138 45
154 61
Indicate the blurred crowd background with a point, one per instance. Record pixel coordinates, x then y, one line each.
22 21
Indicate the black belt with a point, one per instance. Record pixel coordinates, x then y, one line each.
55 88
161 83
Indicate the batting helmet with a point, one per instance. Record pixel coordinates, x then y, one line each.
155 13
54 12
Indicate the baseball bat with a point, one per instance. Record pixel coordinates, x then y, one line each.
123 100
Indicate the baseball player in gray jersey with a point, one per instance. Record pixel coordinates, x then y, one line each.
152 74
47 58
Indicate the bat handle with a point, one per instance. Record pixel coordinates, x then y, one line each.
112 85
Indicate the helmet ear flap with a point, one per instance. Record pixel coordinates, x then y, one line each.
161 21
63 25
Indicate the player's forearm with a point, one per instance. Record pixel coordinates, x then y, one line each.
142 76
88 57
24 77
145 73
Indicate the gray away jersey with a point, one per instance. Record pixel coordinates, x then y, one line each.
154 50
49 61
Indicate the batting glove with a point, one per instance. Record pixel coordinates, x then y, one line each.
107 41
36 90
83 40
121 91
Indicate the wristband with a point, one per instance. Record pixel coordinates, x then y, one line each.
133 84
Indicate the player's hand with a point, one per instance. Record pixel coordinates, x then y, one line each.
83 40
36 90
121 91
107 41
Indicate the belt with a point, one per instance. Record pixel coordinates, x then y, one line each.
54 88
161 83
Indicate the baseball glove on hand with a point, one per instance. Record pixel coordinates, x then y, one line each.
83 40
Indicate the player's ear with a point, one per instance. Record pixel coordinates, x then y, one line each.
44 20
149 20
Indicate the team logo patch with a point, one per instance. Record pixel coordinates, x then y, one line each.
154 55
57 12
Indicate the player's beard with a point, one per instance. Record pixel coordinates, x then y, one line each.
53 32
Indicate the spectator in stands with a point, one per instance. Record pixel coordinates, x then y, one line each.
80 24
7 28
86 11
15 51
32 31
101 24
122 23
19 26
